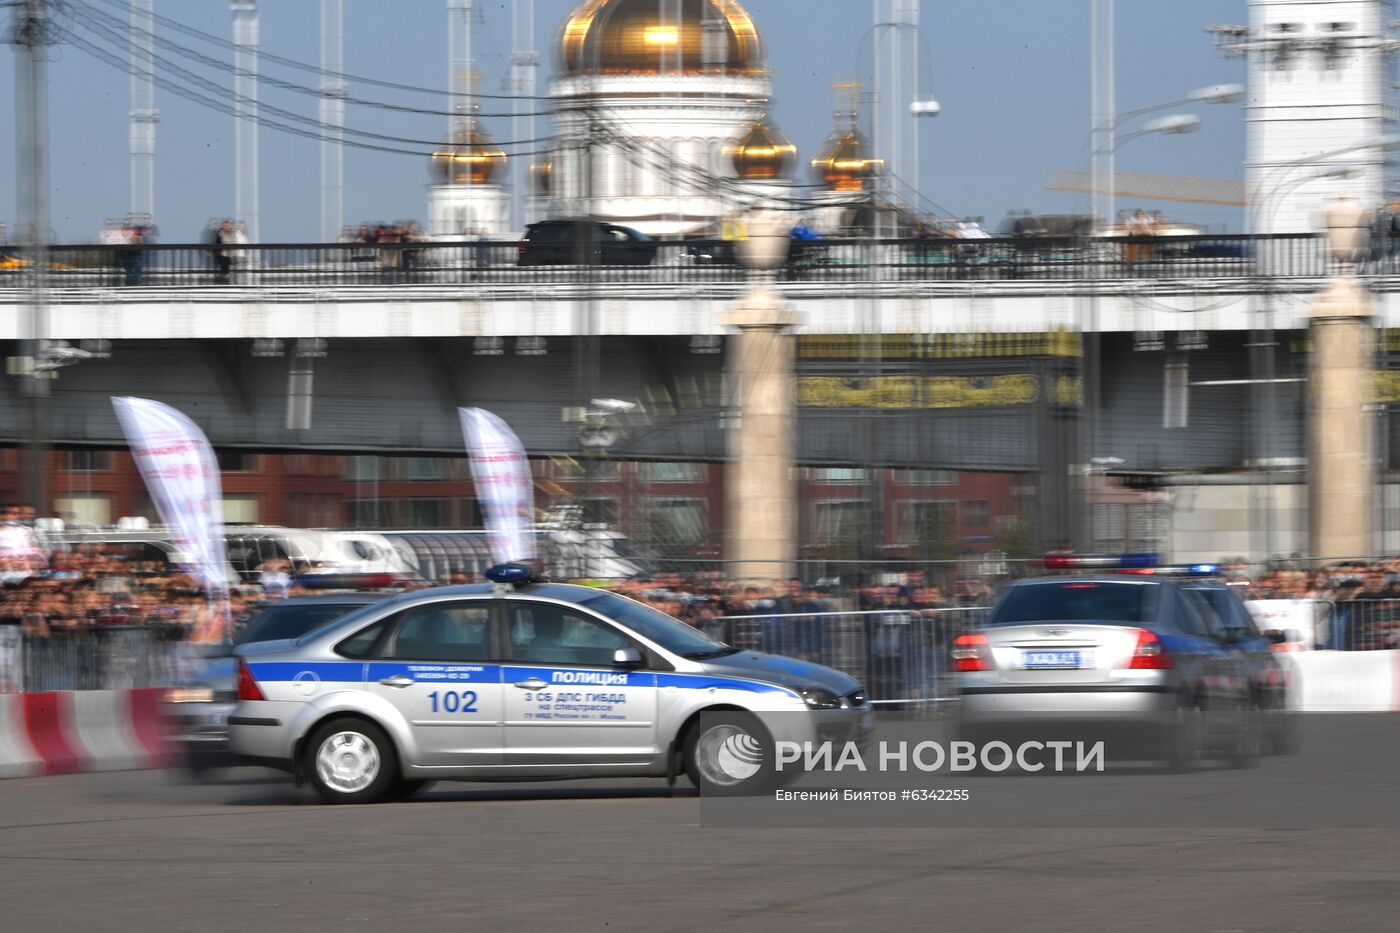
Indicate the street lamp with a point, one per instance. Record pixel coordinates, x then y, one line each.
1106 144
921 107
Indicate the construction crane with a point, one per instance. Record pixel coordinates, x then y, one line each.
1157 187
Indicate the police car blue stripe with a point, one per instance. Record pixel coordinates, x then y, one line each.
431 671
283 671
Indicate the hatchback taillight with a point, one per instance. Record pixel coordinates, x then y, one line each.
248 688
970 653
1149 654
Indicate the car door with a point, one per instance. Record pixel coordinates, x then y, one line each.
566 703
439 667
1223 676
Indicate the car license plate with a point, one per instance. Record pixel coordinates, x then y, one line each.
1056 660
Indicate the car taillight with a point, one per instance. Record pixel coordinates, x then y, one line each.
969 653
248 688
1150 654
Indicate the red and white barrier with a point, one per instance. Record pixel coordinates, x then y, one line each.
91 730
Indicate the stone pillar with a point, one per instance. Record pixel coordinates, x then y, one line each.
1341 455
760 487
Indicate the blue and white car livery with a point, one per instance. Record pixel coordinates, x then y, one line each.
488 682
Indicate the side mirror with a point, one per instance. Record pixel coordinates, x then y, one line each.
627 657
1276 636
1292 635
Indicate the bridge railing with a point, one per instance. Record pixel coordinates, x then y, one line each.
470 263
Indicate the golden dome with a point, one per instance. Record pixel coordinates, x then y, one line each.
543 175
469 157
845 164
609 37
762 153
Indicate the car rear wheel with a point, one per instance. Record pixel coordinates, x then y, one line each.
351 761
730 755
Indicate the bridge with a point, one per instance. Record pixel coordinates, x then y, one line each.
963 350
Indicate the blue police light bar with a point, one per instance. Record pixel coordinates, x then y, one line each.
508 574
1100 561
1189 570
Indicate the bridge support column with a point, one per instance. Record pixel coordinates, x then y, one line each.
760 487
1341 454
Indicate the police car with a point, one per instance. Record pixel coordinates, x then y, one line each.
1133 651
517 680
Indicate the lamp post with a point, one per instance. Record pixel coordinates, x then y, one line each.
1173 124
1106 142
920 107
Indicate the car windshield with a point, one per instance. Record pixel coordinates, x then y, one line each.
1076 601
290 621
656 626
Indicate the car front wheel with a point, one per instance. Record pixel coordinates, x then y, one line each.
731 755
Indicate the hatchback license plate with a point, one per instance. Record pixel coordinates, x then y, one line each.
1053 660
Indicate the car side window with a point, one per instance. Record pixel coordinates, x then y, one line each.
444 632
361 644
546 633
1205 621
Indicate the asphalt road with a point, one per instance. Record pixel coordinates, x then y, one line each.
141 851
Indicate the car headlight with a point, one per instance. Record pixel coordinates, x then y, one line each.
817 698
189 695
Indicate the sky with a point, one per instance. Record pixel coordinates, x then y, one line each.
1013 78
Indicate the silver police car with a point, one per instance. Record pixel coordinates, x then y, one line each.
526 682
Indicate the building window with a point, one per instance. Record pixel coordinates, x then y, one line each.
925 521
976 513
89 461
426 513
674 522
834 476
1110 526
241 508
673 472
236 461
926 477
362 469
426 468
840 521
85 508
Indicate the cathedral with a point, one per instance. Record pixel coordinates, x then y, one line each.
661 123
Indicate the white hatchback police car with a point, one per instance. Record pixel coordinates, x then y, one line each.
523 682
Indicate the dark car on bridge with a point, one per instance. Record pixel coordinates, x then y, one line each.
569 242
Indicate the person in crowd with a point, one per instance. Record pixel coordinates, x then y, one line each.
225 235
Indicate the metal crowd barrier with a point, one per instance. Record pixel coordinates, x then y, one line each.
677 262
103 658
899 656
1363 625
